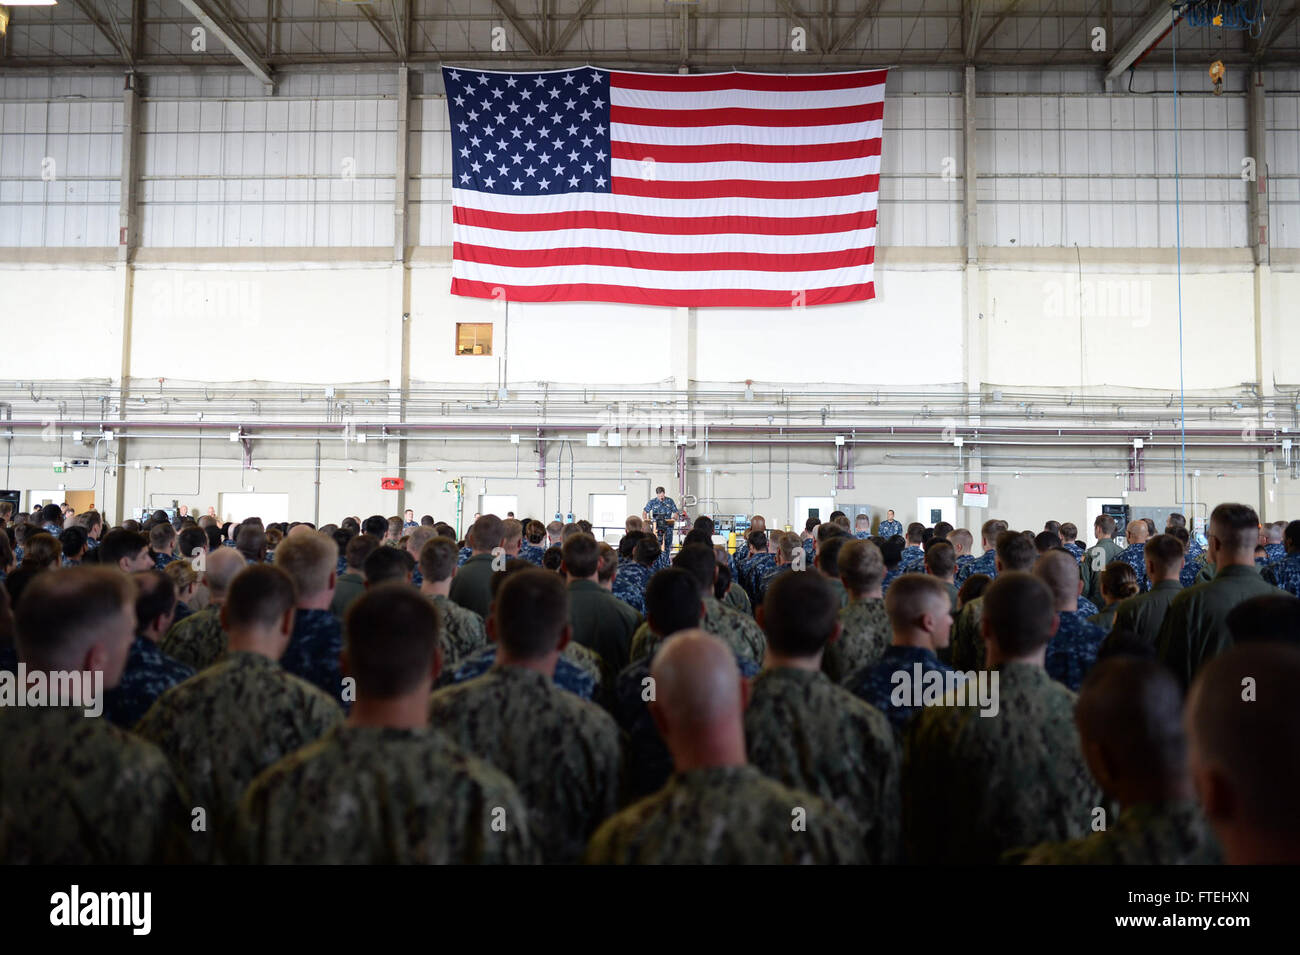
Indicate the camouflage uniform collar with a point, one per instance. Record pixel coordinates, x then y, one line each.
910 654
790 675
478 557
1028 673
710 777
248 659
1166 585
589 585
363 735
516 674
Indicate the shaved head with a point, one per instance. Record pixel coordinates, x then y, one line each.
1057 569
697 683
222 565
1243 718
1137 532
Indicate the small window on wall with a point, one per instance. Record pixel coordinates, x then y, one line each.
473 338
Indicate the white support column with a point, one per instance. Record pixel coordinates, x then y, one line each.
973 332
128 238
1257 191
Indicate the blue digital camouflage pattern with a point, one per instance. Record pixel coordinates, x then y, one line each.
657 508
649 763
532 552
753 570
913 560
1275 552
889 528
874 683
182 611
568 676
313 651
762 583
1075 548
161 561
808 546
341 567
862 535
463 555
148 674
983 564
889 578
1087 607
1135 556
630 583
1073 649
1285 574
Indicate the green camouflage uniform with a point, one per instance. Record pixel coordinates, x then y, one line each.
808 733
865 636
225 725
738 600
741 633
76 790
1144 613
562 752
727 815
460 631
197 641
1194 630
1173 833
975 786
589 661
967 639
1094 561
375 795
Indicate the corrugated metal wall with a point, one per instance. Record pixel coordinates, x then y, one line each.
1061 162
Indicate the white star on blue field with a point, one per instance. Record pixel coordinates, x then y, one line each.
529 134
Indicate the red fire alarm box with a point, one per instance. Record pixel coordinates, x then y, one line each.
392 484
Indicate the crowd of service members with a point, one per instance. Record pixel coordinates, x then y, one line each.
380 691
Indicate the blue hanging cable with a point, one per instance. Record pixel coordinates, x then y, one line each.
1178 246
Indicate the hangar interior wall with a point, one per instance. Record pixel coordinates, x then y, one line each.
262 260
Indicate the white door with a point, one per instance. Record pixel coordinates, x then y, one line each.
931 510
804 507
1093 509
609 516
239 505
498 504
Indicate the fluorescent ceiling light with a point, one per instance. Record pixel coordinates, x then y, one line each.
30 3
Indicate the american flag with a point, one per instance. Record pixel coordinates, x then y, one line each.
726 189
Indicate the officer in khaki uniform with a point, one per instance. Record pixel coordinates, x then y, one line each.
716 808
385 788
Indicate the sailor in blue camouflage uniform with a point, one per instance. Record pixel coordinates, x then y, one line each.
659 508
673 604
758 563
532 552
920 617
1285 573
317 640
913 559
1073 648
1069 540
985 563
635 569
756 523
149 672
889 527
1135 553
568 675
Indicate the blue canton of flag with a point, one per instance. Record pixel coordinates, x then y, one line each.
529 134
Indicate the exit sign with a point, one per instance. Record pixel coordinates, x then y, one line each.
392 484
59 467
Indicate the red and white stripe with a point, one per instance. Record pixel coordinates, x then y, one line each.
728 189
